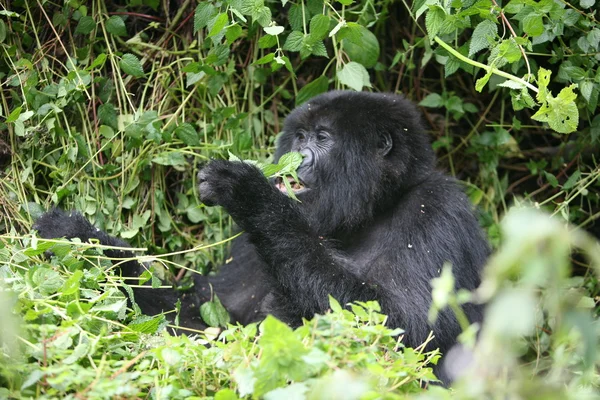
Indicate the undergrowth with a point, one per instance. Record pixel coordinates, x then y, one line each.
110 108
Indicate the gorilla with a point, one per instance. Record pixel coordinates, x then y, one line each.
375 221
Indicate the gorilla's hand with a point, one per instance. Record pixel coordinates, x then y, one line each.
238 186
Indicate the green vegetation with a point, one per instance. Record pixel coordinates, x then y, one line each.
110 107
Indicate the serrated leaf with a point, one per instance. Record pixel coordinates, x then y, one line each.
266 59
213 313
233 32
485 31
319 26
131 65
107 115
220 22
354 75
432 100
85 25
310 90
560 112
187 134
318 49
366 52
533 24
434 20
294 41
116 26
204 13
146 324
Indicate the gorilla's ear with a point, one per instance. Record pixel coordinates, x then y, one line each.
385 143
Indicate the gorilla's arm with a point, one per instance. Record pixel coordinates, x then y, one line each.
305 267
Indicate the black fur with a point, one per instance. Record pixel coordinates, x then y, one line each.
376 222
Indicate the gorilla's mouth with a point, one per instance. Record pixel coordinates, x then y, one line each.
296 186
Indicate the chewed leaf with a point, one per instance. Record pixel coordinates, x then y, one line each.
560 112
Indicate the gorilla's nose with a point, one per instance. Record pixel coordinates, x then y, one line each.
308 159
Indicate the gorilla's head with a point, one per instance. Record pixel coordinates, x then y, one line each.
361 151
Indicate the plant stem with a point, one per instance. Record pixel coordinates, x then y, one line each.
483 66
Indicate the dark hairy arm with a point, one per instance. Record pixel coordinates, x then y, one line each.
306 268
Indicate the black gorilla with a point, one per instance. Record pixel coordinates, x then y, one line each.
376 221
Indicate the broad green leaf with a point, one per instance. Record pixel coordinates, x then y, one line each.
14 115
354 75
432 100
366 52
85 25
147 324
220 22
213 313
171 158
187 134
560 112
434 20
587 3
116 26
98 61
131 65
107 115
481 82
266 59
233 32
485 32
533 24
319 26
294 41
71 285
310 90
204 12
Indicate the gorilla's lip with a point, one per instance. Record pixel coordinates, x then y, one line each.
297 186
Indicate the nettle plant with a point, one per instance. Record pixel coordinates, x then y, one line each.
505 42
312 23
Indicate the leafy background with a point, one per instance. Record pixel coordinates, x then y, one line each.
110 107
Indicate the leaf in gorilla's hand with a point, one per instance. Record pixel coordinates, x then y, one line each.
287 166
213 313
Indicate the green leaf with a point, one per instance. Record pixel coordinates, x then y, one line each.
71 285
319 26
572 181
551 179
533 24
226 394
560 112
14 115
107 115
187 134
204 13
85 25
294 41
147 324
116 26
587 3
131 65
345 2
213 313
354 75
233 32
220 23
310 90
434 20
98 62
485 33
172 158
266 59
481 82
433 100
2 31
366 52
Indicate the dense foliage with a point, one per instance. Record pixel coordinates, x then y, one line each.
109 108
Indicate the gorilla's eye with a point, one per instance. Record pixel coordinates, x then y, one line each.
301 136
322 136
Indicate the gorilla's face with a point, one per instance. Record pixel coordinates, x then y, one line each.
357 149
315 144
